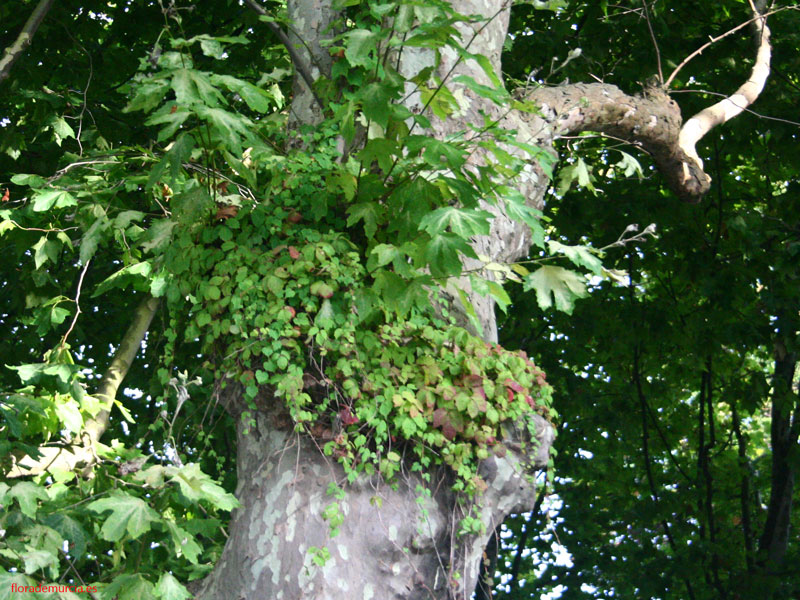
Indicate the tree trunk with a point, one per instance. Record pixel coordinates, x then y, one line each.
394 542
401 541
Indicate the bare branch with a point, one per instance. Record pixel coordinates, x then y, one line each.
15 50
652 120
655 42
724 110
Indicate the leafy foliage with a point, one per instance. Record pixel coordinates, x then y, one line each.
138 159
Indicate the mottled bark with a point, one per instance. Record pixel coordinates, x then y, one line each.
390 545
651 121
395 543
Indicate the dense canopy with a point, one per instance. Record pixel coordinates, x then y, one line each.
344 269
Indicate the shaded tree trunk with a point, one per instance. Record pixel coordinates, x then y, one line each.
398 542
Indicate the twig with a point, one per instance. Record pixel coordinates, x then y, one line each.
744 108
655 43
24 39
714 40
77 304
78 575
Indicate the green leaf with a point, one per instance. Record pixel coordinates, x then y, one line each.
62 130
92 238
498 95
171 115
195 87
557 283
128 514
629 165
183 542
45 250
382 254
45 200
196 485
158 236
256 98
578 171
149 94
231 128
442 254
169 588
376 101
30 180
69 413
360 42
69 529
367 212
129 587
463 222
132 274
27 494
38 559
581 256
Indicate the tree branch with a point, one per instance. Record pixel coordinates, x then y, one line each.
71 457
297 60
724 110
652 120
15 50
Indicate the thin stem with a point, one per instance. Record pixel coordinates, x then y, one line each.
714 40
655 43
77 304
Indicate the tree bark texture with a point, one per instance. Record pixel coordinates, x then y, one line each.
395 543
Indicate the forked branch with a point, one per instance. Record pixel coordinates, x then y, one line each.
652 120
724 110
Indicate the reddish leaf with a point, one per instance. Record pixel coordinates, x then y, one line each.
226 212
347 417
294 253
510 383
